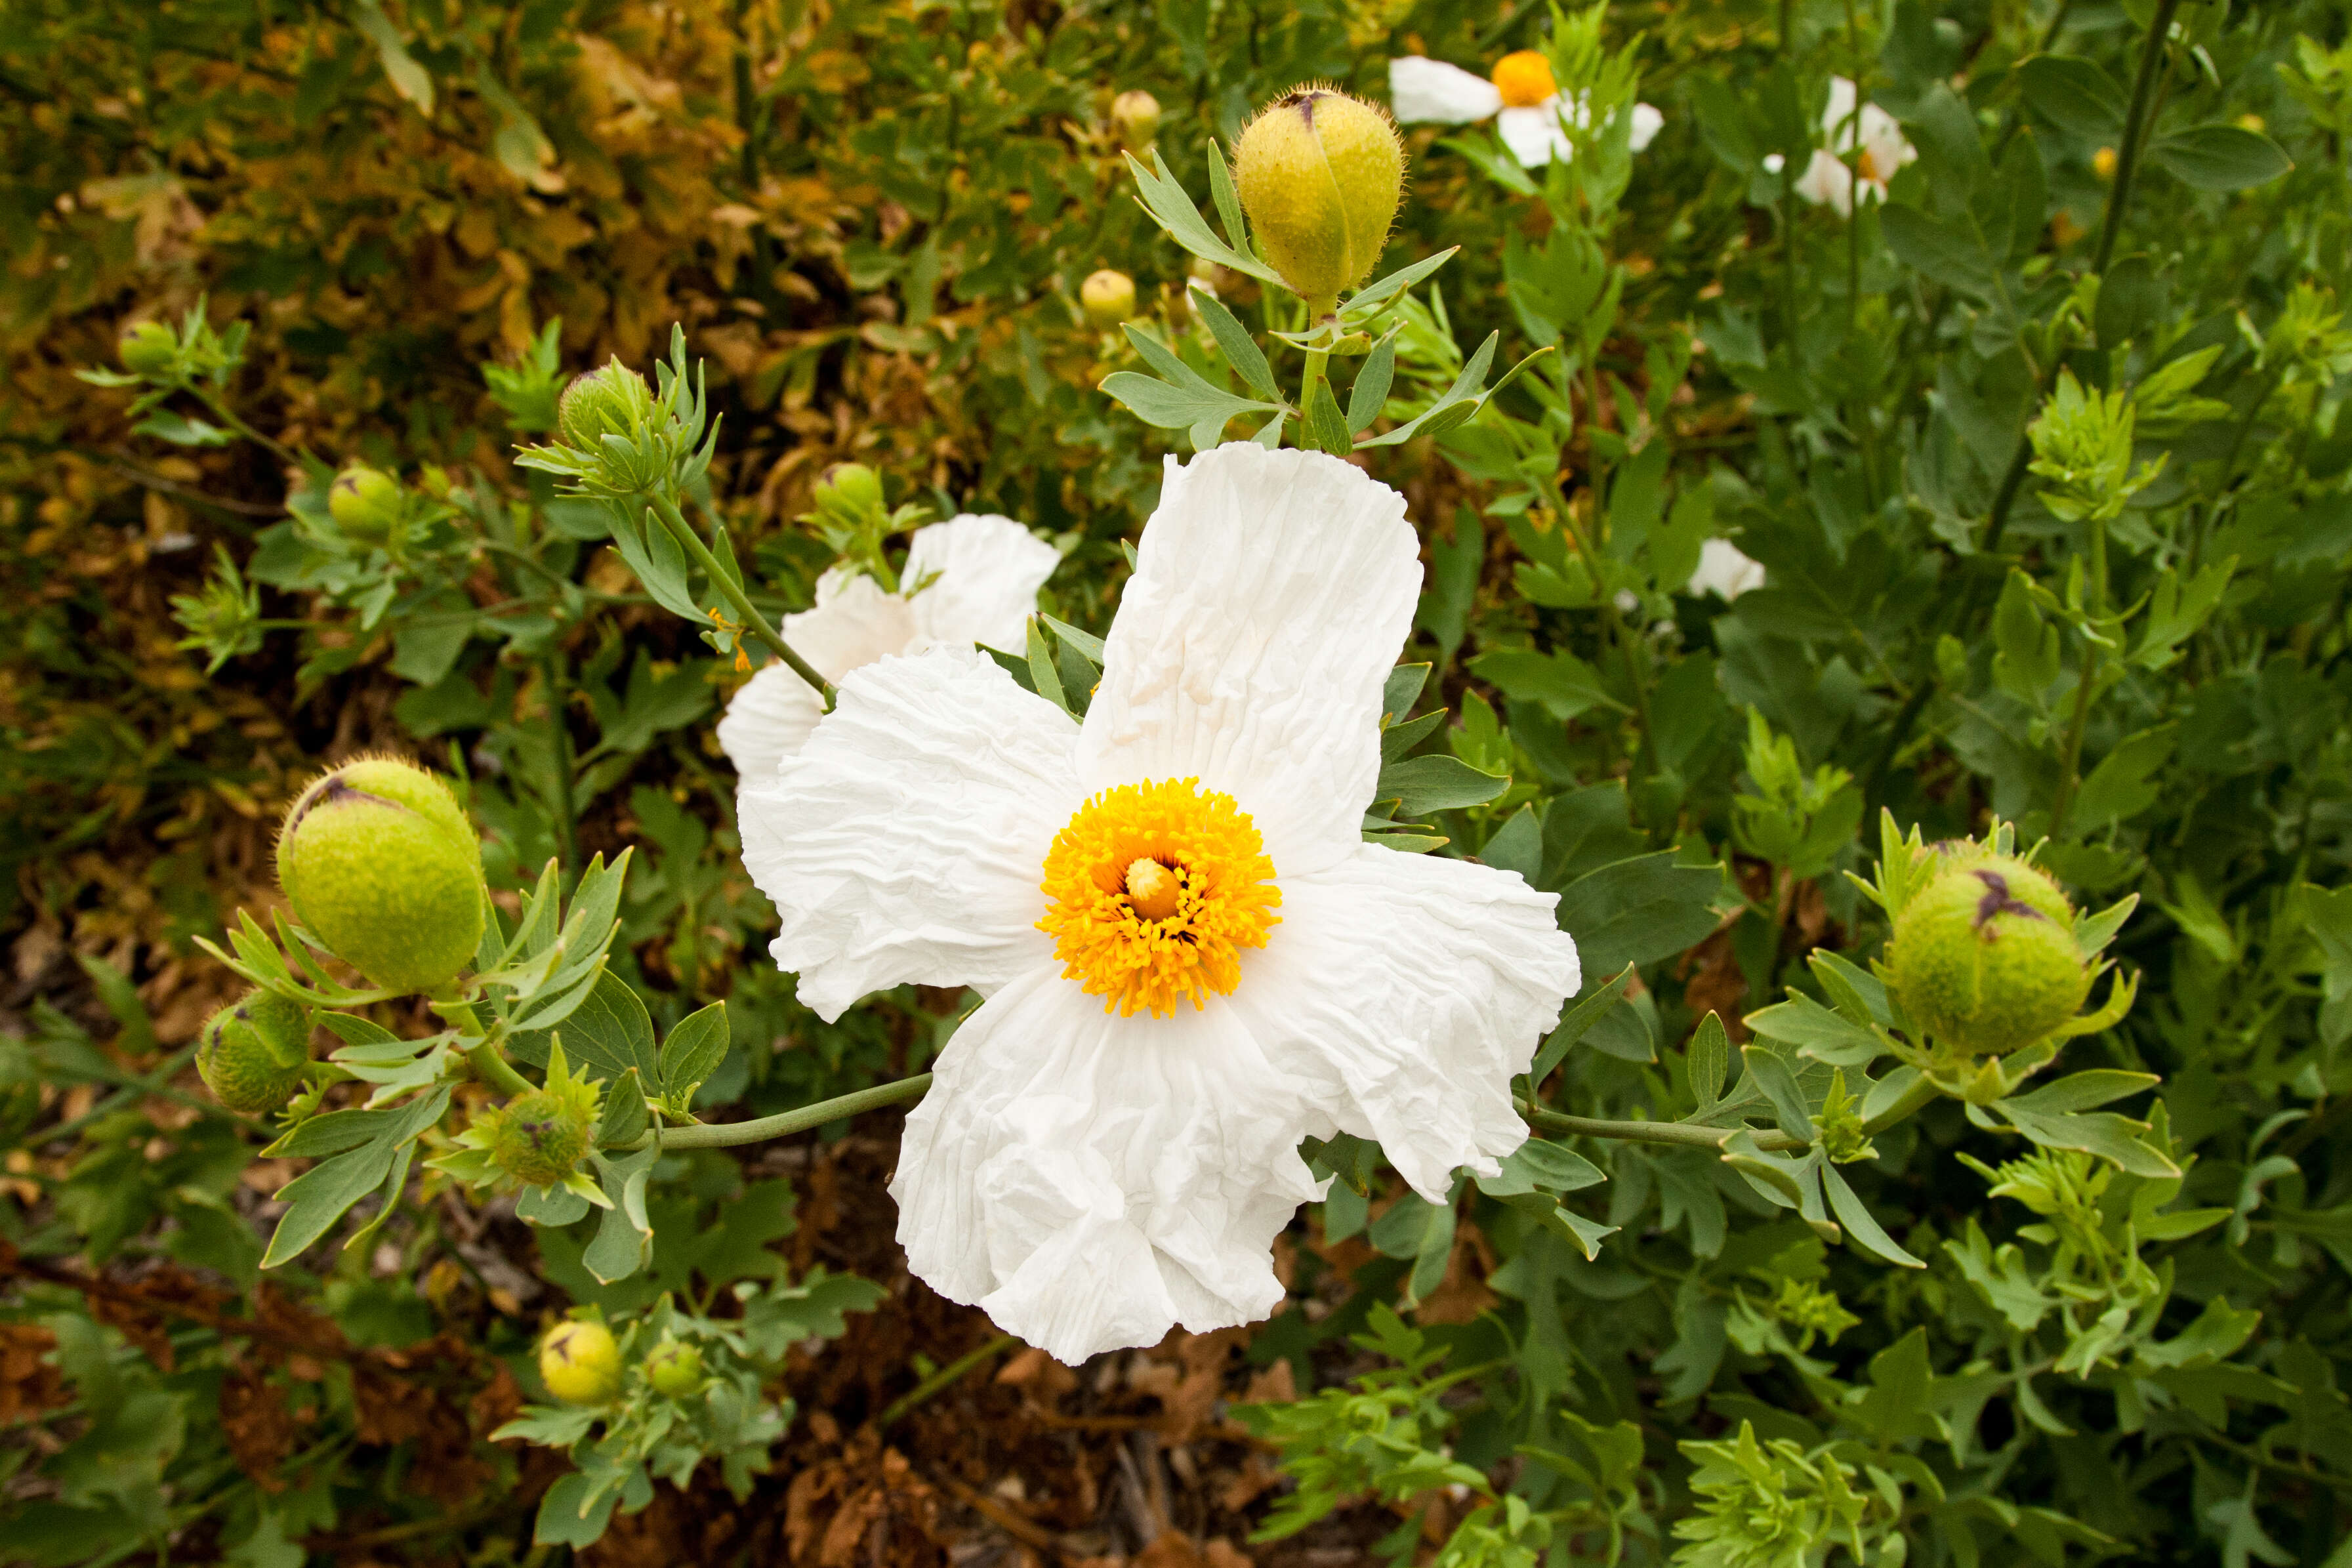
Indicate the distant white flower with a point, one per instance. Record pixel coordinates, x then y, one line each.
968 580
1724 571
1190 958
1828 180
1522 99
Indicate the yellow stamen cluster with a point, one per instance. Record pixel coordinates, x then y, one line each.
1524 79
1154 888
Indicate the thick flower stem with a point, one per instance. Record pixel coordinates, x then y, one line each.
945 1378
1918 1095
493 1069
728 1134
732 591
1318 363
1675 1132
2128 151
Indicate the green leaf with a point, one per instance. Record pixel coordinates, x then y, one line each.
1817 1032
2219 157
693 1052
2077 95
1942 252
1423 784
321 1195
625 1117
1709 1055
1587 1011
1772 1075
1369 394
1563 683
1639 910
1044 679
1403 689
1862 1228
407 77
608 1034
1170 207
1325 423
625 1238
1241 350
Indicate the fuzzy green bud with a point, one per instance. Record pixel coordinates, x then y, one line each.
1320 174
148 349
539 1139
366 504
614 401
1108 298
580 1364
1984 957
383 867
850 488
252 1052
1135 117
675 1368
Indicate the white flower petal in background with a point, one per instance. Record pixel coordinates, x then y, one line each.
901 843
1869 136
1271 594
1534 135
1431 92
1095 1160
1724 571
1385 953
984 573
769 717
1647 122
855 622
1827 181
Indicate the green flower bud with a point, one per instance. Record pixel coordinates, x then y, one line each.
613 400
580 1364
1320 174
252 1052
1108 298
383 867
674 1369
539 1137
148 349
1984 957
1135 116
850 487
366 504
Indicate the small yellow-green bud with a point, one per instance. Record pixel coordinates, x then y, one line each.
1984 957
366 504
1108 298
580 1364
148 349
614 401
540 1137
1135 116
850 486
252 1052
675 1368
1320 174
383 867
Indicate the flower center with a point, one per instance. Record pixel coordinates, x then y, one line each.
1524 79
1153 890
1867 167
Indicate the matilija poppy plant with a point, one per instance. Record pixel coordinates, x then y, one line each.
968 580
1522 99
1827 181
1189 959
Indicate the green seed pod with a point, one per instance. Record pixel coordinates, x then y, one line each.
540 1137
580 1364
615 400
1320 174
1108 298
850 487
148 349
366 504
1135 117
383 867
252 1052
674 1369
1984 957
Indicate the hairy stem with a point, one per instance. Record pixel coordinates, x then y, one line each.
726 1135
1676 1132
733 592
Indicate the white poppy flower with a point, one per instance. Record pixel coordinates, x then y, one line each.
1724 571
1828 180
968 580
1522 100
1190 958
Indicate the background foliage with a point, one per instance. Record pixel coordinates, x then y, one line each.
2042 461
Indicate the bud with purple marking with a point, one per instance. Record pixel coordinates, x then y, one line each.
383 868
1984 958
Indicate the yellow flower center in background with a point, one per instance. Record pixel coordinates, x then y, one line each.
1524 79
1154 888
1866 168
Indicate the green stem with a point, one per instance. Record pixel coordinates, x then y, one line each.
566 801
493 1069
1675 1132
1619 632
221 412
2151 61
2070 759
1919 1094
946 1377
725 1135
733 592
1317 364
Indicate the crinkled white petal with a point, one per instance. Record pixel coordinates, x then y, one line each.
1827 181
1408 990
984 574
1724 570
767 720
853 623
905 842
1534 135
1092 1181
1647 122
1271 594
1425 91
